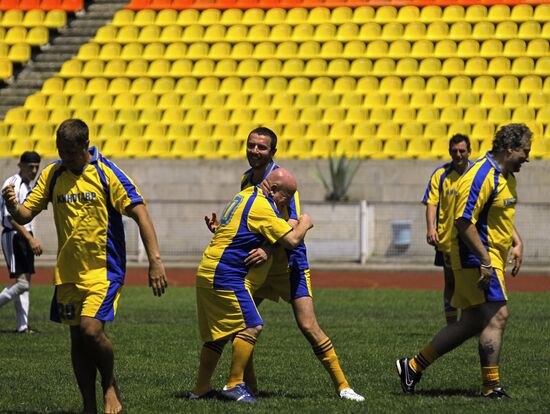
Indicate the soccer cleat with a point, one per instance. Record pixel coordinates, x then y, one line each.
27 331
497 393
239 393
208 395
349 394
409 378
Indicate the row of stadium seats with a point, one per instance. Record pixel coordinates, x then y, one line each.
267 114
323 32
66 5
310 68
296 85
182 143
429 102
331 49
317 15
19 52
52 19
35 36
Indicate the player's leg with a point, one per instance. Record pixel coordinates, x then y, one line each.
490 344
84 369
249 373
451 313
321 344
209 358
21 304
101 349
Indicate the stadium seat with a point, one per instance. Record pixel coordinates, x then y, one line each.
435 131
466 99
412 130
444 48
153 51
375 99
499 115
538 99
421 99
483 30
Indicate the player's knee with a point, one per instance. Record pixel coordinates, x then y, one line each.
21 286
308 325
256 331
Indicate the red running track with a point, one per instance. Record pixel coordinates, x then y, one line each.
335 279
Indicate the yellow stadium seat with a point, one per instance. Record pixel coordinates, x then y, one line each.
421 99
483 130
53 85
271 67
181 68
422 49
242 50
260 32
255 15
77 85
188 16
398 99
483 83
363 14
392 31
307 115
377 49
60 114
124 100
331 49
160 148
153 51
136 68
104 115
264 116
475 13
475 114
220 50
241 115
538 99
309 49
231 16
146 100
225 67
15 115
137 147
274 84
460 30
454 13
280 99
404 114
114 68
419 148
499 115
543 115
437 30
451 115
57 100
542 66
466 99
191 100
299 84
248 67
388 130
371 147
385 14
452 66
523 66
36 100
498 12
328 100
499 66
193 33
260 100
287 50
195 115
171 33
90 51
399 48
460 83
444 99
19 53
429 66
444 48
395 148
491 99
264 50
411 130
376 99
108 51
253 84
230 148
125 34
141 85
437 83
166 17
506 30
209 16
173 115
351 99
515 47
507 83
313 67
144 17
182 147
435 131
540 148
206 147
324 32
37 115
408 14
71 68
476 66
101 100
523 115
483 30
347 32
236 33
529 30
91 68
467 48
123 17
354 49
131 51
370 31
218 115
198 50
537 47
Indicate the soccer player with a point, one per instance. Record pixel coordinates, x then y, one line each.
289 275
89 195
439 201
484 221
18 243
225 307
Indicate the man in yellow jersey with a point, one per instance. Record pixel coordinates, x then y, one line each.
89 195
225 307
439 201
483 237
289 275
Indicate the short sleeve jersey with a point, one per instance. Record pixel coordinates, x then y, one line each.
487 198
247 221
297 258
440 192
88 211
21 190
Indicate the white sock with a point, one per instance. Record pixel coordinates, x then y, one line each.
5 296
21 304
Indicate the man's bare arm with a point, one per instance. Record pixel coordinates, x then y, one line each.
293 238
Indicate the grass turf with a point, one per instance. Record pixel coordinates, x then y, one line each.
157 347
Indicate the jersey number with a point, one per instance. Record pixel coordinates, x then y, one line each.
230 210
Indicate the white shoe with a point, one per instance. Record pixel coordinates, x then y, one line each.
349 394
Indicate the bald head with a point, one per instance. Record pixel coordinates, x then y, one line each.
280 185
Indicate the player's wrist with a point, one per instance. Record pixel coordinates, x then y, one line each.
486 265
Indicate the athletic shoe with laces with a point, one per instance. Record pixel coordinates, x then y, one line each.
239 393
497 393
208 395
409 378
349 394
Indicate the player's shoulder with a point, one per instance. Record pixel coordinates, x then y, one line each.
11 180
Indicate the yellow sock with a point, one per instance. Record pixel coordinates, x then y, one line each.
424 359
243 345
326 354
490 378
210 355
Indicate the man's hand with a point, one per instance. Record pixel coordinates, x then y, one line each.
304 218
485 276
10 198
257 257
516 257
157 278
36 247
432 238
212 222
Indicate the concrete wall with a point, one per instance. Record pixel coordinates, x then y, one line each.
376 180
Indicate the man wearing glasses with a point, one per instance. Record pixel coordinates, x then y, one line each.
439 201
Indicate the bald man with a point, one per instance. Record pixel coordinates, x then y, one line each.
225 307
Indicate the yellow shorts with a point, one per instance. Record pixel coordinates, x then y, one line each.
95 299
468 294
286 286
222 313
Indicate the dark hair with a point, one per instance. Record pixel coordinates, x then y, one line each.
510 136
266 132
74 130
458 138
30 157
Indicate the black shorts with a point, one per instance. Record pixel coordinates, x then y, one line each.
441 259
18 253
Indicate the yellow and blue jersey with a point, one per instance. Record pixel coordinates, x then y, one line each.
88 211
247 222
440 192
296 260
487 198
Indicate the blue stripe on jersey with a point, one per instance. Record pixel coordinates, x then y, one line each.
477 183
56 175
250 313
494 293
116 242
130 188
106 311
232 276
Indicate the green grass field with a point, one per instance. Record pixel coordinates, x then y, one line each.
157 348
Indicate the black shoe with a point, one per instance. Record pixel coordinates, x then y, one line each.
497 393
409 378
